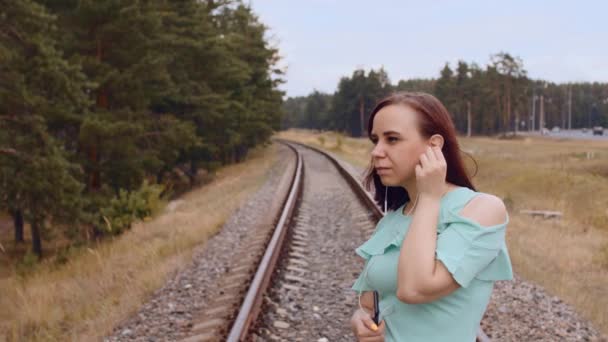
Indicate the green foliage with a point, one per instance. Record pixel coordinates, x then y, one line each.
417 84
499 97
27 264
97 96
129 206
355 98
346 110
39 89
315 111
63 255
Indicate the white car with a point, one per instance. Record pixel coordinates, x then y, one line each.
598 130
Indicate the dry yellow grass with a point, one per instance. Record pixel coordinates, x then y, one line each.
83 299
569 257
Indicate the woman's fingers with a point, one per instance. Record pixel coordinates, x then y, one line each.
418 170
381 327
424 161
439 154
368 328
432 159
430 154
378 335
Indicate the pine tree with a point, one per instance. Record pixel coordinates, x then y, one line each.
119 45
38 89
254 100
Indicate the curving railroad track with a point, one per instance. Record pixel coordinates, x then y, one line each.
282 267
262 296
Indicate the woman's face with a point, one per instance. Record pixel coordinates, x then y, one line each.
398 144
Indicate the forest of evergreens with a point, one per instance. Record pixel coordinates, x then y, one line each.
105 105
499 98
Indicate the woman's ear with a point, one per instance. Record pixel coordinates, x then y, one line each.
436 140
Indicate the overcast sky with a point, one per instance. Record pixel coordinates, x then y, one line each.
323 40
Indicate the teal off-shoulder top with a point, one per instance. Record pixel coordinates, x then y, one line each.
475 255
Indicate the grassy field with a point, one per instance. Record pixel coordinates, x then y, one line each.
569 257
98 287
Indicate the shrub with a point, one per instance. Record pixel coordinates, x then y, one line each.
338 143
130 206
27 265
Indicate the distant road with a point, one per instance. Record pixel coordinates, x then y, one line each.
569 134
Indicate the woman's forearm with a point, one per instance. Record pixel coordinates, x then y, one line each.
417 257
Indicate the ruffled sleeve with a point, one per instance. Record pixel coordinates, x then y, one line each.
383 238
469 250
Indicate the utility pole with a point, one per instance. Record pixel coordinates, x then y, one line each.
541 121
569 107
563 115
468 118
533 124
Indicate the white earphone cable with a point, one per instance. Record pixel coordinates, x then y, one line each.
385 196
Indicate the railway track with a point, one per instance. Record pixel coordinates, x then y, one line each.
291 281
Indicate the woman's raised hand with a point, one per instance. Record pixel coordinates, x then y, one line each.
431 173
363 327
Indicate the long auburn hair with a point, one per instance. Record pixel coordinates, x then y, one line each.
433 118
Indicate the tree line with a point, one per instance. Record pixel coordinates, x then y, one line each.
494 99
104 104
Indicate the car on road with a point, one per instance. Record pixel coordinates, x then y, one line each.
598 130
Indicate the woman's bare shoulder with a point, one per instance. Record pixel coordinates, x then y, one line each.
485 209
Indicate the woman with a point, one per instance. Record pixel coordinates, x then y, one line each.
435 255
